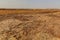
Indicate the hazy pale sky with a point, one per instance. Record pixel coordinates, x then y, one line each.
29 3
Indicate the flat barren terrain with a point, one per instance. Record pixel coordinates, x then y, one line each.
29 24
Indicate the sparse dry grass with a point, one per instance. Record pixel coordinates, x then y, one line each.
13 11
30 24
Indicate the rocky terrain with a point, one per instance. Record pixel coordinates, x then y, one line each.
30 26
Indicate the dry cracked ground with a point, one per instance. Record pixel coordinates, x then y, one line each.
30 26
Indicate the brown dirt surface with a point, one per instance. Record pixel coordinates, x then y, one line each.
29 25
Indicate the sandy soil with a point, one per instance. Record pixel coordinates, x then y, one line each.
30 26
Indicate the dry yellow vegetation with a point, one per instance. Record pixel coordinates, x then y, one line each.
33 24
14 11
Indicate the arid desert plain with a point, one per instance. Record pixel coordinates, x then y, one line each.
29 24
